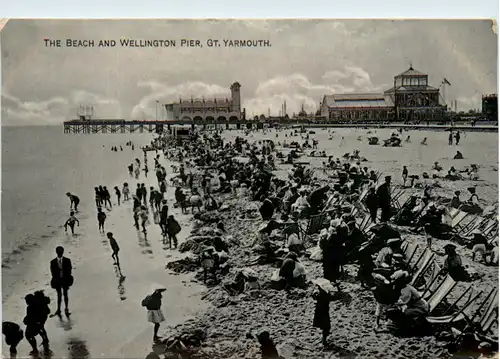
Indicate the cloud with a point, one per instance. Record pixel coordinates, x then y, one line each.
163 93
307 59
55 110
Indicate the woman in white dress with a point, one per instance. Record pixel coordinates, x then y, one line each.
153 304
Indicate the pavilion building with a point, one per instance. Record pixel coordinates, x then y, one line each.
410 99
208 110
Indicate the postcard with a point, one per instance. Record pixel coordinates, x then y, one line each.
249 188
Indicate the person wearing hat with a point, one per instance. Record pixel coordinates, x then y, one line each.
384 257
322 294
267 346
479 243
453 264
152 302
371 203
163 218
317 198
455 201
384 199
74 201
386 292
355 238
413 307
474 199
332 248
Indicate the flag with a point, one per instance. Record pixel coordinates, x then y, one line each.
446 82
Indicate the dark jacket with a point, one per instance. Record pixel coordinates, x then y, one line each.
67 279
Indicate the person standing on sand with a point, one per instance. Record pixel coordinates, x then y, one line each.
71 222
107 197
118 194
62 280
115 248
173 229
450 138
152 303
101 218
322 294
74 201
131 169
98 199
144 194
384 199
457 138
13 336
126 192
164 219
405 175
143 213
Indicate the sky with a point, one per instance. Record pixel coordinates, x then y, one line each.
307 59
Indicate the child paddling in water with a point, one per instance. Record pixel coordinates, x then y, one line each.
115 248
101 218
71 222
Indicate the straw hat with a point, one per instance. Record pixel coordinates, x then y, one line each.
397 256
393 240
249 273
324 284
400 274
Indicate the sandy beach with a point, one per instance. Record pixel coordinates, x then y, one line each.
107 319
233 320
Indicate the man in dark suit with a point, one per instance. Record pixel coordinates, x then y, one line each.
62 280
384 199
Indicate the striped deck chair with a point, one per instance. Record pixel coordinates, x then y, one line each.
395 194
437 295
365 223
422 265
485 320
477 223
491 230
409 250
315 223
459 315
432 282
459 221
363 194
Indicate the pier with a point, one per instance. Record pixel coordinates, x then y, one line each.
95 126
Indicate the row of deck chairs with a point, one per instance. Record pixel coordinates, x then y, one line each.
435 291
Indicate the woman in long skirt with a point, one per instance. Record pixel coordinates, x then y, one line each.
153 304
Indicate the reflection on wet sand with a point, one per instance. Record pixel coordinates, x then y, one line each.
77 349
121 279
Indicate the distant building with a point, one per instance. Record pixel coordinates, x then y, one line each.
410 99
207 110
490 107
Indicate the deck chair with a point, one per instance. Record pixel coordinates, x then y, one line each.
422 265
431 283
363 194
459 221
485 320
476 223
397 193
437 295
365 223
315 223
459 314
409 251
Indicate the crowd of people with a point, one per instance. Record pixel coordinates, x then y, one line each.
351 214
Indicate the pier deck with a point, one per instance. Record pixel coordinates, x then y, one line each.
152 126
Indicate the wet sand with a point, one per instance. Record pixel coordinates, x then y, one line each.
107 318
